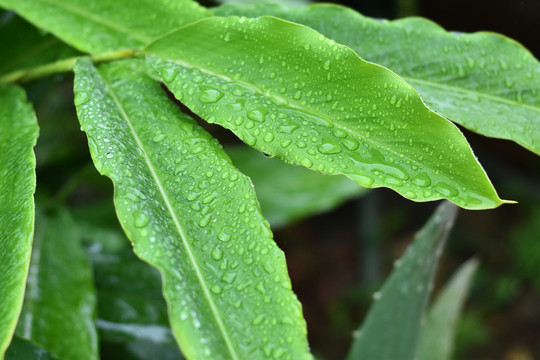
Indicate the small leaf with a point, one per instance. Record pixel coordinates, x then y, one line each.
288 193
23 349
436 342
484 81
391 329
18 135
59 304
193 216
294 94
103 25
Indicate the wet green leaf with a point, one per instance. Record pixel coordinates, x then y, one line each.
391 329
24 46
287 192
484 81
59 304
436 341
23 349
190 213
102 25
294 94
18 135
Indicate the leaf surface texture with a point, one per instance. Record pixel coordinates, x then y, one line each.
294 94
192 215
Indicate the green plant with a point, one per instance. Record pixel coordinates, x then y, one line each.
284 89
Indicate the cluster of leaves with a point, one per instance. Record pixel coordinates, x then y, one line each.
322 87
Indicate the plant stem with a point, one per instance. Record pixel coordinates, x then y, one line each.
61 66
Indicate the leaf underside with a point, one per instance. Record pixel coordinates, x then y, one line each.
18 135
294 94
192 215
484 81
398 308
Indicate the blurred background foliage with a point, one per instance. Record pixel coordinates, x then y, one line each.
339 257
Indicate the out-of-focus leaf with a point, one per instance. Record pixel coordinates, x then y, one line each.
25 46
18 135
59 304
288 193
484 81
436 341
132 313
102 25
192 215
23 349
392 327
292 93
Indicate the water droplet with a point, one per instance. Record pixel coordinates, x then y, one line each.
158 137
205 220
209 94
329 146
285 143
350 144
81 97
326 65
259 319
421 180
168 74
445 189
216 289
376 295
217 253
306 162
141 219
362 180
257 114
224 236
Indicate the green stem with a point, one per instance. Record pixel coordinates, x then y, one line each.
61 66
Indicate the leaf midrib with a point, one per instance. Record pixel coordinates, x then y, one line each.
178 226
99 19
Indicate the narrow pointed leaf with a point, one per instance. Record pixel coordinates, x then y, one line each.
27 350
287 192
192 215
391 329
60 303
18 135
102 25
483 81
436 342
294 94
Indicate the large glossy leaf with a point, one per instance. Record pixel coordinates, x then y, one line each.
18 135
436 342
59 304
287 192
23 349
392 327
483 81
193 216
294 94
24 46
102 25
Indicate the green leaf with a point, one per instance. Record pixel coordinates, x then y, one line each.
18 135
391 329
484 81
103 25
190 213
288 193
23 349
436 342
59 304
25 46
291 93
